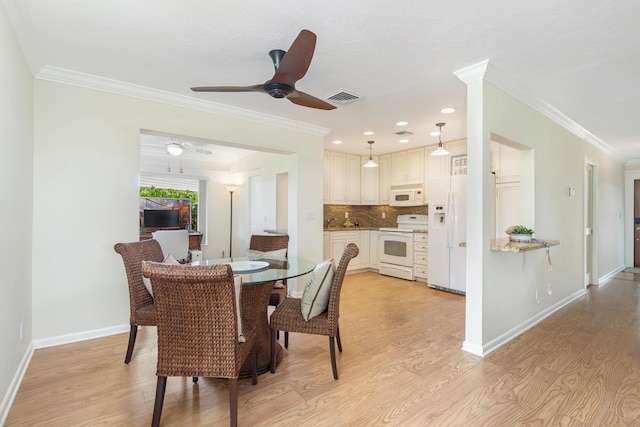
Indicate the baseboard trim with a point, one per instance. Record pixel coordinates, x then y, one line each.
8 399
528 324
80 336
604 279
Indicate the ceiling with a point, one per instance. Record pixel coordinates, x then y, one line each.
581 57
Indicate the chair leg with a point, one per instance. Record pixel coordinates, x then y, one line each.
277 335
195 380
254 364
157 408
272 358
133 332
338 339
332 351
286 339
233 402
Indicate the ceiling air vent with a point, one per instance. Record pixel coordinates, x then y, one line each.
343 96
403 133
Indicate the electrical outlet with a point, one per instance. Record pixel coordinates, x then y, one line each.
549 290
222 254
21 330
384 215
346 214
537 299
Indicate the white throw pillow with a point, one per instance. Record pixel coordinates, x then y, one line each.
147 282
254 255
315 298
237 281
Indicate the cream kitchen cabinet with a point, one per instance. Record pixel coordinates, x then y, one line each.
505 163
326 181
420 256
374 249
507 207
344 179
370 182
407 167
340 239
384 178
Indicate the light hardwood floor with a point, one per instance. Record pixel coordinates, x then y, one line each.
402 366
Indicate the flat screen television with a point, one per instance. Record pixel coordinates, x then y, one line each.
161 218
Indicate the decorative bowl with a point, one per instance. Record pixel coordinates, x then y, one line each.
520 237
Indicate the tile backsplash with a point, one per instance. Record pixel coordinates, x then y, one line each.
369 216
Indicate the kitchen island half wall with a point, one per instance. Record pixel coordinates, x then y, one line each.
368 215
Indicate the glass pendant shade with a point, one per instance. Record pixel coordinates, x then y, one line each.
440 151
370 163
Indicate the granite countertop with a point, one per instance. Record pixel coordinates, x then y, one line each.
506 245
352 228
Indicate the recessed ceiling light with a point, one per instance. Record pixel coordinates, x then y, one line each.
368 133
434 133
403 141
448 110
402 123
337 142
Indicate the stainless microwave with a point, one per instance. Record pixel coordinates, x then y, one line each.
407 197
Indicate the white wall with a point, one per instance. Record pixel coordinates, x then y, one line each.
87 160
501 286
16 169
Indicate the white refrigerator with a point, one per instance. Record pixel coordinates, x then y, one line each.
447 229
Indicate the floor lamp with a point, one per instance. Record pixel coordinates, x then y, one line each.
231 189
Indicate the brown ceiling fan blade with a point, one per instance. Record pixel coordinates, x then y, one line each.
307 100
296 61
254 88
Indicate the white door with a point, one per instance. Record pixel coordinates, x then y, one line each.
588 223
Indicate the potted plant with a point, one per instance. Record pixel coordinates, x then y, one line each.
519 233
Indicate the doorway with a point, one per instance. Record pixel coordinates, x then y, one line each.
636 222
590 221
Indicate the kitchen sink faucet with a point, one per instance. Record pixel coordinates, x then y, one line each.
329 221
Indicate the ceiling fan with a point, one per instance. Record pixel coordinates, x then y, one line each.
289 67
175 147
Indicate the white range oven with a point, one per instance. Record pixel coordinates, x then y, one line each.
396 246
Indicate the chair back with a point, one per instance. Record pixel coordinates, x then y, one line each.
132 255
267 243
174 242
350 251
197 320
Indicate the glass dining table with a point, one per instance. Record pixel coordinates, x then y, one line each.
258 280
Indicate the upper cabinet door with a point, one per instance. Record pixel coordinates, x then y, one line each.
370 182
407 167
505 163
384 175
344 179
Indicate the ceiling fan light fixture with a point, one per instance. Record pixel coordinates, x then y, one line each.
440 151
370 163
174 149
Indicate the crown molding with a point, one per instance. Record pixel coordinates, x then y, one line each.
497 77
472 72
74 78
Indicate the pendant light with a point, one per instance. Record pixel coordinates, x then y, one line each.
440 151
370 163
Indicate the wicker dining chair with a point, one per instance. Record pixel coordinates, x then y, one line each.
142 311
287 316
198 328
269 243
